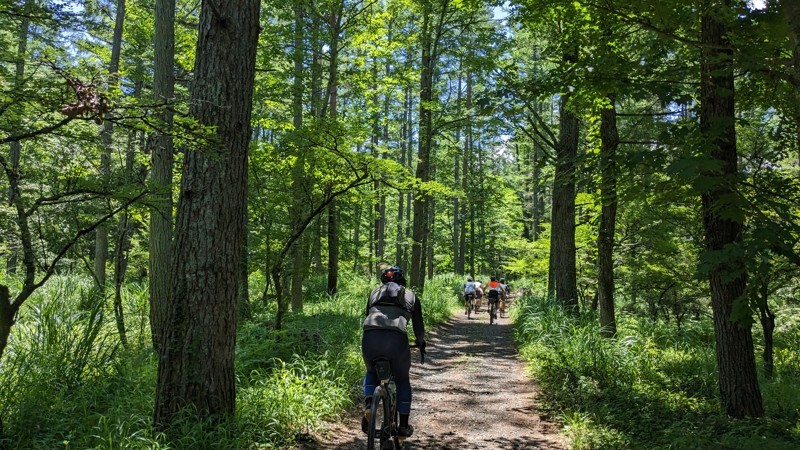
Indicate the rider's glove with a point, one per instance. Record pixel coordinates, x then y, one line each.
422 345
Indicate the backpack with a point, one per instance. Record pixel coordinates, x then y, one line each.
390 294
469 288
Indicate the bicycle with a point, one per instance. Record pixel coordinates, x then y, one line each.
384 408
493 310
470 305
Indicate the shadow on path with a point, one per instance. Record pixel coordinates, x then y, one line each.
471 393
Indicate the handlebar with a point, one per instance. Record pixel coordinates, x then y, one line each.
421 352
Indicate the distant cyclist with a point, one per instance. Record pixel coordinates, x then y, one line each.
470 292
389 308
478 293
506 291
495 294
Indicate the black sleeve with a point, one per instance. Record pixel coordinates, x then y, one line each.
416 319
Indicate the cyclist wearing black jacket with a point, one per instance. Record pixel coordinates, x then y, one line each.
389 308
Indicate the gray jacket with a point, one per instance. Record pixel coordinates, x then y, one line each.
389 307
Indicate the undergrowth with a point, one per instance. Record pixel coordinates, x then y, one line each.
654 386
67 383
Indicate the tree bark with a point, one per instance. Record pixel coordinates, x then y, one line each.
101 233
738 382
298 168
465 187
159 146
335 23
417 272
333 249
791 11
767 319
608 218
15 147
379 206
563 263
196 352
457 183
122 245
405 148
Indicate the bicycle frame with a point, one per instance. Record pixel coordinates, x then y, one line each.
384 404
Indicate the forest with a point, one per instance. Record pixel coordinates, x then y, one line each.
197 197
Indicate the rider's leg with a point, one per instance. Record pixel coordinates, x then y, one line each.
404 407
370 382
401 365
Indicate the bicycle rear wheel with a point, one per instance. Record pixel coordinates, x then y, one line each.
380 422
492 312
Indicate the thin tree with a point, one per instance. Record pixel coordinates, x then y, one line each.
609 138
101 234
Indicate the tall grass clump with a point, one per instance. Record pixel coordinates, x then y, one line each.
60 347
653 386
441 296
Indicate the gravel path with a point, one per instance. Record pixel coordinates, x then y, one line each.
471 393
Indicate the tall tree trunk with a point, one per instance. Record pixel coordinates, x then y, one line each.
791 11
405 148
316 247
472 241
409 195
431 34
333 86
379 213
357 239
417 272
429 237
101 233
196 353
562 247
298 168
333 249
457 184
15 147
608 218
738 382
159 145
767 319
538 198
122 244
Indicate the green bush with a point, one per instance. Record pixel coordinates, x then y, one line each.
67 383
653 386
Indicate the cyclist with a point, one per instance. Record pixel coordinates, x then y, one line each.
470 289
495 292
388 309
478 294
506 290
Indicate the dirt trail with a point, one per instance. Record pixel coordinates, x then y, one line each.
471 393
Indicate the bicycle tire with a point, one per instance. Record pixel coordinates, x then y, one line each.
379 408
492 312
470 304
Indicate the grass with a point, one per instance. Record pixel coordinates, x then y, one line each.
67 383
652 387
